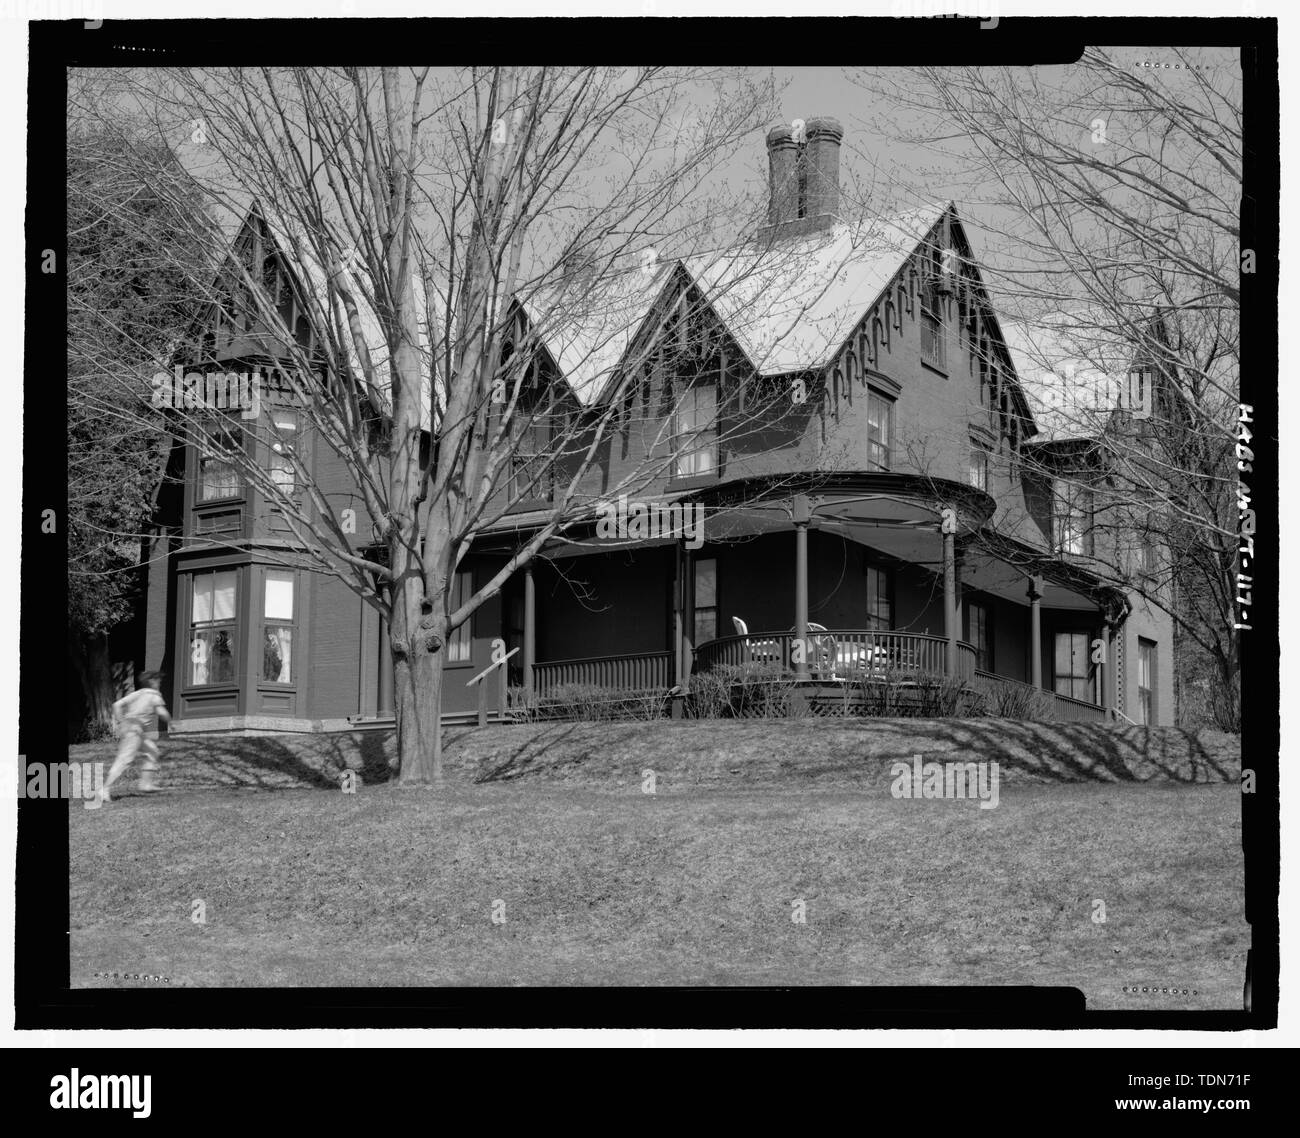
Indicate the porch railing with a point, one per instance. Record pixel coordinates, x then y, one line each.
1064 708
838 653
637 671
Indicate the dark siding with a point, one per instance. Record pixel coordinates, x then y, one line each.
335 648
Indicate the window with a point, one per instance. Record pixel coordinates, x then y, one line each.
979 467
695 431
932 348
277 629
1072 519
284 434
1150 557
218 475
458 642
978 634
880 430
880 599
932 337
706 600
531 472
212 628
1146 682
1073 666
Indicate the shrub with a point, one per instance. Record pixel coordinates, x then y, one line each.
1014 701
904 693
742 691
597 704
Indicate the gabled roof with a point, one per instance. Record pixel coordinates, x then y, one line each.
791 305
300 257
588 332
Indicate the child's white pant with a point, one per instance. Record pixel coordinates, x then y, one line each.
134 739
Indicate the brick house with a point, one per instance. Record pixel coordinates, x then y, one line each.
874 509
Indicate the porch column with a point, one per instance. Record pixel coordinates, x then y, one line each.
679 613
385 671
1108 669
950 601
1035 632
530 634
688 612
801 513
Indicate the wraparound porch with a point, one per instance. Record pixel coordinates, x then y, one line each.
759 564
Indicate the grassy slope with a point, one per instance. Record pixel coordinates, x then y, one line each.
603 883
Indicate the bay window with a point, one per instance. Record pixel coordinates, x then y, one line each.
212 627
277 627
218 474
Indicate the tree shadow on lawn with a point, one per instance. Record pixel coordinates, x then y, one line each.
1081 752
774 750
531 757
260 762
1053 752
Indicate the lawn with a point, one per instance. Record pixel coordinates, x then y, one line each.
542 860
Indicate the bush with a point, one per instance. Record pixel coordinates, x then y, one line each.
921 695
742 691
1013 701
596 704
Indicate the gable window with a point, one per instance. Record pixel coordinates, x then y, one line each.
458 641
978 634
1146 682
880 599
932 345
212 627
284 426
531 473
277 627
706 600
979 467
1072 519
218 475
880 430
695 431
932 332
1073 672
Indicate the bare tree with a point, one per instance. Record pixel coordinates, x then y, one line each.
474 286
1108 192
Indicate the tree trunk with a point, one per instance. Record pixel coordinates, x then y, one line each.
95 673
417 644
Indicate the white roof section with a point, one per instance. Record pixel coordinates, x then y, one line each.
587 330
792 304
1073 377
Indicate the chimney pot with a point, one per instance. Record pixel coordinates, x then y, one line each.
823 161
783 180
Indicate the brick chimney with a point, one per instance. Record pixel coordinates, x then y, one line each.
822 158
803 177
